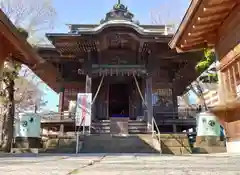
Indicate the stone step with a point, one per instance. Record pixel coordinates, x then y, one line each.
177 144
134 127
101 127
142 143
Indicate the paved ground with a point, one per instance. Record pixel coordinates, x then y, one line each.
120 165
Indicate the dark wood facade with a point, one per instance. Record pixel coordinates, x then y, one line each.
120 49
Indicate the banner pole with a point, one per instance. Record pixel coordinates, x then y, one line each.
77 142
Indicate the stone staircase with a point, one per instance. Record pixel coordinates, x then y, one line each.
101 127
134 127
137 127
134 143
177 144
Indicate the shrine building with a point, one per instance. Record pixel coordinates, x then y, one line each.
125 65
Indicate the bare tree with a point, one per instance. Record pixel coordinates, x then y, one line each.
165 14
35 16
31 17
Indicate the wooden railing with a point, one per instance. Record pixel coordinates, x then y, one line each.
58 116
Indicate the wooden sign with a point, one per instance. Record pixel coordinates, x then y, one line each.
164 92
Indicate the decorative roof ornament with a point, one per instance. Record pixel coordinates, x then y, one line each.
118 12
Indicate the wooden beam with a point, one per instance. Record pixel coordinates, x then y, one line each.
215 2
227 4
213 16
3 48
18 42
204 26
207 32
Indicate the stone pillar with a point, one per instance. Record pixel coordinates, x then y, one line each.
149 103
61 109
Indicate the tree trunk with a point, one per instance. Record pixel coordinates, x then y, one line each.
8 125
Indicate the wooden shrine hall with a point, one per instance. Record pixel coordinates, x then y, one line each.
128 65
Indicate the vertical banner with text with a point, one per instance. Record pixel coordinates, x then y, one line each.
84 109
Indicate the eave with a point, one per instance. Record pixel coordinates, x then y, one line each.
15 44
201 24
14 38
140 29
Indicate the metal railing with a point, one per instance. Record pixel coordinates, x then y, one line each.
156 133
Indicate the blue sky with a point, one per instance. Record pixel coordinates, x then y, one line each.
92 11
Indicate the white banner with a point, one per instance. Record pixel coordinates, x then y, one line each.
84 109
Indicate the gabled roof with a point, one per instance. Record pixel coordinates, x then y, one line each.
156 28
81 30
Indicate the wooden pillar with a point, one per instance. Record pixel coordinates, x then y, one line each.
88 83
174 99
221 80
61 101
149 102
107 101
230 84
225 86
174 128
61 109
231 92
238 67
238 72
234 80
88 70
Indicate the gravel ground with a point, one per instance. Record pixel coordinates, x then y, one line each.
119 164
